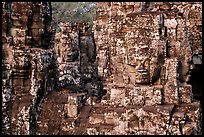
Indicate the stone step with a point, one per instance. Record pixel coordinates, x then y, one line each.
22 73
85 112
72 102
18 68
81 127
141 95
101 126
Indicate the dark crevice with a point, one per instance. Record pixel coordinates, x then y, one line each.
176 29
167 49
171 115
8 19
196 80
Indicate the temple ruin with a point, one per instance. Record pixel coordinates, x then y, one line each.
132 73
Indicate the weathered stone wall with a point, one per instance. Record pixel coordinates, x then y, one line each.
78 81
140 54
33 66
59 112
192 12
76 55
67 50
29 61
145 56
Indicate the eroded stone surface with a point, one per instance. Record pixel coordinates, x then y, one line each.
140 54
144 58
28 59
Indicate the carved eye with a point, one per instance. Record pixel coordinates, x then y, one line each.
146 63
144 51
137 62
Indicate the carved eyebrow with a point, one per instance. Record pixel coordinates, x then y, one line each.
143 61
143 57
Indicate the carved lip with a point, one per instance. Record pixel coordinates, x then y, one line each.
143 71
143 80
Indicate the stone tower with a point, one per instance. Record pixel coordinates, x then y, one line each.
140 55
28 63
145 56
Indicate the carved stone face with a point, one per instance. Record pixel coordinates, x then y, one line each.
144 59
134 43
142 49
142 70
138 58
146 67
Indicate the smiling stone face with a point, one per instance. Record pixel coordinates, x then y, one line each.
142 51
142 71
133 41
144 62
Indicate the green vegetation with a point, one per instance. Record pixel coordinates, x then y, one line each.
74 12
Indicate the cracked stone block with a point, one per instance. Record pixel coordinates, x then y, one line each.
96 119
109 118
92 131
117 95
74 104
178 120
137 95
171 94
120 128
192 110
189 128
186 93
154 96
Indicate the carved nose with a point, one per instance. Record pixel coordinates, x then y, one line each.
142 69
141 66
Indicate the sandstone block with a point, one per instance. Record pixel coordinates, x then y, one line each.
186 93
74 104
117 95
189 128
96 119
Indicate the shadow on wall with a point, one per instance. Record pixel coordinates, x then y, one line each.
76 57
196 80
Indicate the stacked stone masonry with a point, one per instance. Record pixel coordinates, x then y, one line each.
128 76
29 63
145 52
37 61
